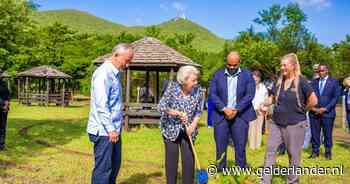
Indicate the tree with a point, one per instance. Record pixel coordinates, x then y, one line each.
15 22
341 52
285 27
153 31
272 19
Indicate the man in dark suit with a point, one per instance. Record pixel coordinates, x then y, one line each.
322 116
232 90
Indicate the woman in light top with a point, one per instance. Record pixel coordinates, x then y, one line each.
260 98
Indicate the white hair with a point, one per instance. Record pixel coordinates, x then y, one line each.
185 72
121 48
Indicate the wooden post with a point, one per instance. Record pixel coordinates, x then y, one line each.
157 87
26 91
47 91
171 76
63 92
147 84
128 78
19 90
8 84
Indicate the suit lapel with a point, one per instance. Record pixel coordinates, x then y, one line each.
317 86
224 86
239 83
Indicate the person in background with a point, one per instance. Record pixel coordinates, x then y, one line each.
292 96
210 111
146 93
4 108
346 93
106 115
323 115
307 138
180 108
255 127
269 84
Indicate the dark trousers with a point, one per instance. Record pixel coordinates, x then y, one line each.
348 119
107 159
237 129
281 148
172 158
326 125
3 124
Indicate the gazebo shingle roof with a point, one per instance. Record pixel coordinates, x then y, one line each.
4 74
44 72
151 51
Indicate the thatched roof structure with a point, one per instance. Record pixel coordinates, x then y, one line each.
4 74
150 52
44 72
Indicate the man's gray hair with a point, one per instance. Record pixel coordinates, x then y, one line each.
185 72
121 48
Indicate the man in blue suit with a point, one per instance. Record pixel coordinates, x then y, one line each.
322 116
232 90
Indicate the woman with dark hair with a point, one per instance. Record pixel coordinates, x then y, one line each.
4 108
260 98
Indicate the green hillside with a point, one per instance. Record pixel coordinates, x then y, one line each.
78 20
85 22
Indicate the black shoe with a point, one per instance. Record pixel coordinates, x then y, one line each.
328 156
2 148
314 155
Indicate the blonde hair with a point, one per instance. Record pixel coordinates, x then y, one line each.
346 82
293 58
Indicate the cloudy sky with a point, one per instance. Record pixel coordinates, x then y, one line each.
329 20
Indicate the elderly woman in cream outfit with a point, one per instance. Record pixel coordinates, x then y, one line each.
255 127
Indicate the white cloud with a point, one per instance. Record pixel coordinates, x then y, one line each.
319 4
177 5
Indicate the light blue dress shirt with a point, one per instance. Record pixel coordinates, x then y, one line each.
106 108
232 88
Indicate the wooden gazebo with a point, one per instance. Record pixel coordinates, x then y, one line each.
150 56
44 85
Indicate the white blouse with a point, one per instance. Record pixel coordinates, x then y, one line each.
261 95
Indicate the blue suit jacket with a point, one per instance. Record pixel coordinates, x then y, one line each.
218 93
329 98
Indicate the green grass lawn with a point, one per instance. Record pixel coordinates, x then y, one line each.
50 145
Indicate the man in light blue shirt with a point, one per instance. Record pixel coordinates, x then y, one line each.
232 88
231 91
106 115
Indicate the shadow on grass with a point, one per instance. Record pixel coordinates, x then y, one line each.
142 178
345 145
27 138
